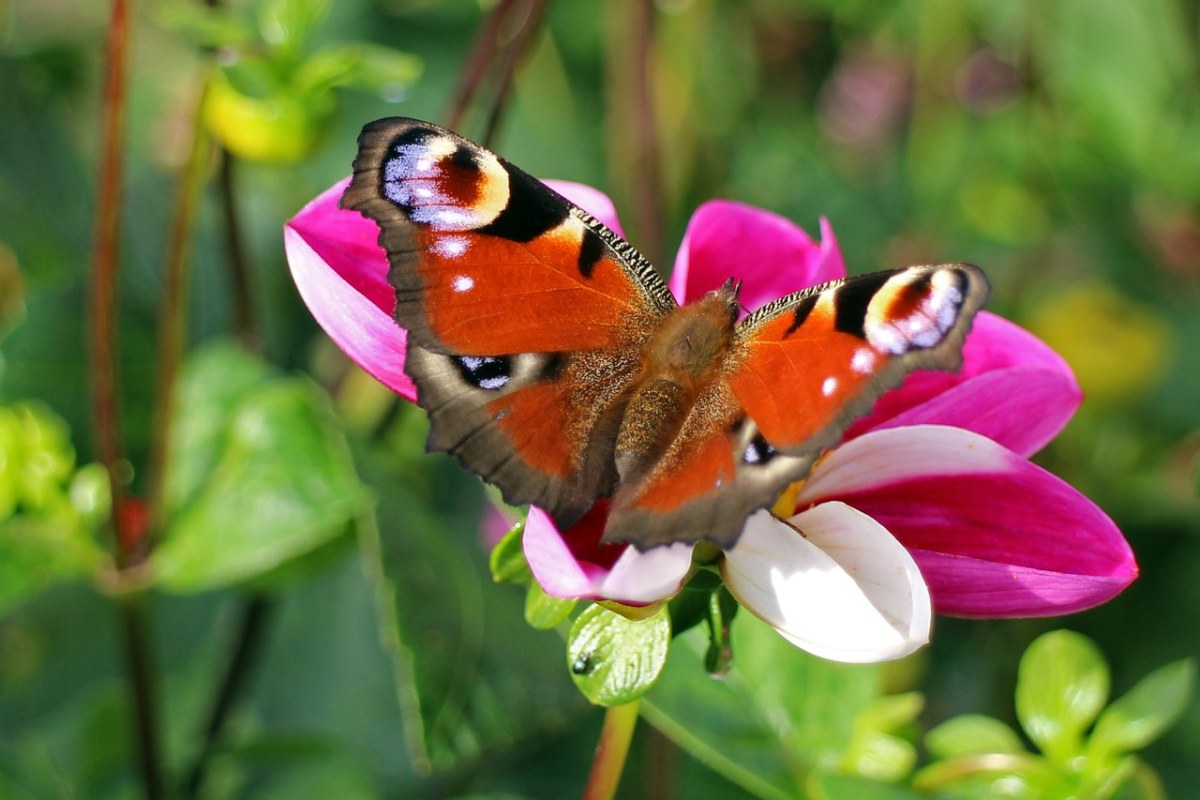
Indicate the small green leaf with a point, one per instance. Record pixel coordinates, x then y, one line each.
1019 776
1145 711
543 611
1062 683
614 660
507 560
892 711
880 756
972 734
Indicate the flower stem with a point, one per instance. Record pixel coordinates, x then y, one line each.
611 750
635 158
512 24
102 338
106 417
521 40
245 322
482 50
140 666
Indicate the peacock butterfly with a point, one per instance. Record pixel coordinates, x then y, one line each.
554 363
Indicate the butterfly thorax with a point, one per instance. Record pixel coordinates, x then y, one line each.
682 356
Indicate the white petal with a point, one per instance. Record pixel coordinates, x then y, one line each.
845 590
883 457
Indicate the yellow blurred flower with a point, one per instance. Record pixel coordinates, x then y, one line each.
1118 348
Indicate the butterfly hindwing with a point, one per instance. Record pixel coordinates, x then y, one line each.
799 372
525 315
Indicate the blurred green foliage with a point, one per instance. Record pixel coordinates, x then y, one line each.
1057 144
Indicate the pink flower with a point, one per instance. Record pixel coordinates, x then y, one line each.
929 504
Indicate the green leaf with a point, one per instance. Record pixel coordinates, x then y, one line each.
972 734
367 66
507 560
615 660
543 611
778 715
850 787
471 676
690 606
1062 683
287 24
892 711
1145 711
49 513
279 485
875 751
213 382
37 552
881 756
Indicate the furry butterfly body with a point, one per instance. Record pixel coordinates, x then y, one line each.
553 361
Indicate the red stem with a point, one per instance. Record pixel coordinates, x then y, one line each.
102 338
102 341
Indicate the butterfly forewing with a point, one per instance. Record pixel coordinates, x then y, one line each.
486 260
525 315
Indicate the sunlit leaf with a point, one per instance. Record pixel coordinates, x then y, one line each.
1142 714
1062 684
615 660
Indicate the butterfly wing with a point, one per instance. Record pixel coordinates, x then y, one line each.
525 315
801 370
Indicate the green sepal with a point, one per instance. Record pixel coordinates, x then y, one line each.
543 611
507 561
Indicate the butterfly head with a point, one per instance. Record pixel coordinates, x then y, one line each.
727 297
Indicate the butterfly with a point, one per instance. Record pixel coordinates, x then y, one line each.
553 361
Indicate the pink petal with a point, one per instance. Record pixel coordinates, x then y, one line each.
1012 388
593 201
326 276
771 255
348 243
574 564
995 535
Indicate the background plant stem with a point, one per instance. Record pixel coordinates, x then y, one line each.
102 341
173 310
102 338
